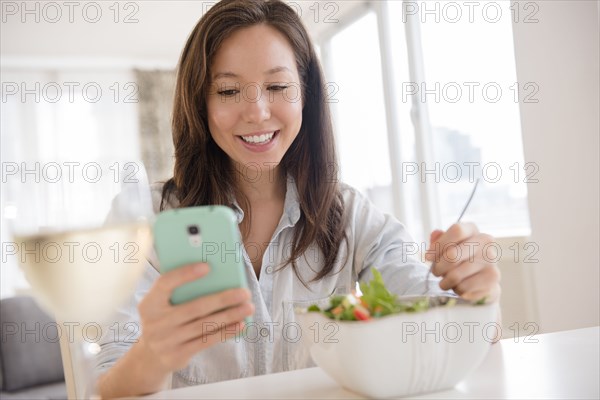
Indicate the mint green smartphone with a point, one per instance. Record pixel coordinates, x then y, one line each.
201 234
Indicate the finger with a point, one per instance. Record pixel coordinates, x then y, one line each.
167 282
479 285
485 296
456 254
209 304
456 234
435 235
459 273
168 336
212 323
488 296
206 341
180 355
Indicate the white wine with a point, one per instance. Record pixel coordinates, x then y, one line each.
82 276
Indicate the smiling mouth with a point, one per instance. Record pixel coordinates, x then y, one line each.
259 139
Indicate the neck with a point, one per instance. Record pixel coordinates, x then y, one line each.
261 184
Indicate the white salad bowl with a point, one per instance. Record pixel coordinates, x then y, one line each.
402 354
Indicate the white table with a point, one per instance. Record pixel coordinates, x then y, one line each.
560 365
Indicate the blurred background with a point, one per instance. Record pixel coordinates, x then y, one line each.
426 97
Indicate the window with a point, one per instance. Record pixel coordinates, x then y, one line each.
357 102
473 107
452 86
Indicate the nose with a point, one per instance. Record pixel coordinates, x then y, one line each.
257 107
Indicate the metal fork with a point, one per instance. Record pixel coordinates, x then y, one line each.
457 221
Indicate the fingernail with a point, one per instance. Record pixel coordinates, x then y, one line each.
201 268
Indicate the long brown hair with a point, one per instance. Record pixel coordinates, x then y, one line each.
203 173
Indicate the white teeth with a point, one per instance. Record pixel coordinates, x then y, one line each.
258 139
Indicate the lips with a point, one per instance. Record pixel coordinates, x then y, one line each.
259 138
260 141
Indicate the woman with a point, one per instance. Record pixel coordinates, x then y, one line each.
252 130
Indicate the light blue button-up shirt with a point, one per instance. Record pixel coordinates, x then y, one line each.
271 342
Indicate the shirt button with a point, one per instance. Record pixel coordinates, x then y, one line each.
264 332
269 270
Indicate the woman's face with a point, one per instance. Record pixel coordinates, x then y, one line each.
254 101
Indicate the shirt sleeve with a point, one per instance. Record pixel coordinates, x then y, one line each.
382 242
124 328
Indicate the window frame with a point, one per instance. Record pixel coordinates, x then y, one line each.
429 213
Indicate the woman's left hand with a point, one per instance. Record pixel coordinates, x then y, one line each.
466 261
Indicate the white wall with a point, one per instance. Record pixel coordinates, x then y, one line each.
154 34
560 133
157 37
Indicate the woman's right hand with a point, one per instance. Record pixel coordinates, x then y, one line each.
172 334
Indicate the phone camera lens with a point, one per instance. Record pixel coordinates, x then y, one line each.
193 230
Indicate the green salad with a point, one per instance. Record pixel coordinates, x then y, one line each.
376 301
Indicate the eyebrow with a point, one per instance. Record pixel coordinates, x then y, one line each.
228 74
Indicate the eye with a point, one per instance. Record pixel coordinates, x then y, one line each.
228 92
277 88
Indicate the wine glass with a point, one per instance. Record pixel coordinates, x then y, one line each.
82 231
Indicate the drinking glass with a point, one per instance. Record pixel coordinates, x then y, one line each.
81 231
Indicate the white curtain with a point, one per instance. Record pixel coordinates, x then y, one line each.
69 115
